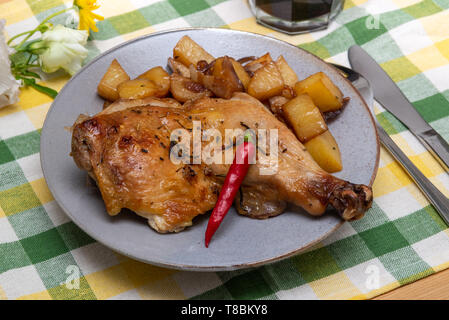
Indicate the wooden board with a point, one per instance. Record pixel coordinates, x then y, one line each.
434 287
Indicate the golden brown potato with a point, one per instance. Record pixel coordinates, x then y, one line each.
219 77
241 73
160 77
267 82
138 89
178 67
107 88
324 93
189 52
289 76
304 117
324 150
184 89
226 80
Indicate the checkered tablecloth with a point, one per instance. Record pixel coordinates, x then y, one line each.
43 255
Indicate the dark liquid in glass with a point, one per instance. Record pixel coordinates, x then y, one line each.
295 10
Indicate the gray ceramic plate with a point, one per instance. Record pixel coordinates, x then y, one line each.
240 242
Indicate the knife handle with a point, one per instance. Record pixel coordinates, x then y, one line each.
437 146
435 197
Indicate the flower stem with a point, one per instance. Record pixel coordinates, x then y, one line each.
17 36
31 65
54 15
32 32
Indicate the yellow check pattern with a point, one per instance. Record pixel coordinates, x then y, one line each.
412 45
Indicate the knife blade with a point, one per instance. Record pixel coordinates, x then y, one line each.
388 94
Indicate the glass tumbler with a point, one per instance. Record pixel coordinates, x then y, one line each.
296 16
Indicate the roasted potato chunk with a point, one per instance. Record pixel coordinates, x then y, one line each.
304 117
267 82
189 52
160 77
179 68
289 76
115 75
241 73
138 89
324 93
324 150
184 89
219 77
226 80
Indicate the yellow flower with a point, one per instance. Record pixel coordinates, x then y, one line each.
87 17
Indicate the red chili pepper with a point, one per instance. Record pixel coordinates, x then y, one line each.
231 185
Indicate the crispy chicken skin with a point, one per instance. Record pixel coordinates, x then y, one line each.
126 149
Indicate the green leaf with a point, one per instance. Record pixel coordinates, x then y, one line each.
19 58
21 62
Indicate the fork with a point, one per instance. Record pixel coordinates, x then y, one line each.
435 197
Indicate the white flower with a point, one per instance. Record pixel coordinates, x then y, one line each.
9 86
63 48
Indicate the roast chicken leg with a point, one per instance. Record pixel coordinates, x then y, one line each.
126 150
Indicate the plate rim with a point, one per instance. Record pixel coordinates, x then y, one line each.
193 267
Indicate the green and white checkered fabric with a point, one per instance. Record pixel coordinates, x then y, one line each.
43 255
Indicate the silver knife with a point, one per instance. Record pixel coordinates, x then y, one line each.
388 94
